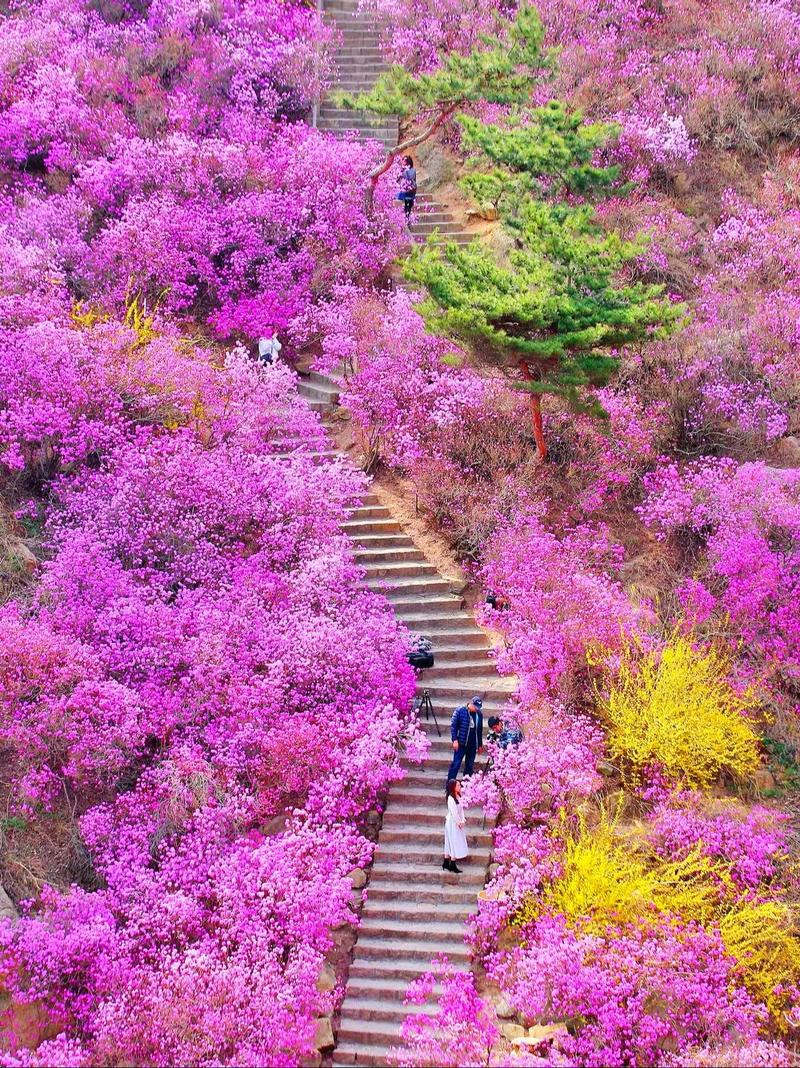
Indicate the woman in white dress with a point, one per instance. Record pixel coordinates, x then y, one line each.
455 841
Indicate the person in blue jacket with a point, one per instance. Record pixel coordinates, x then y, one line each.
466 732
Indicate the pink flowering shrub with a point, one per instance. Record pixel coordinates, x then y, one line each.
401 391
747 519
462 1030
68 726
79 77
631 997
417 32
198 695
211 623
752 841
561 601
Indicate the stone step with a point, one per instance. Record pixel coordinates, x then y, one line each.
354 528
376 946
434 776
372 986
450 640
376 133
489 690
376 555
356 1054
400 569
363 55
410 589
359 130
401 852
353 121
424 834
432 215
451 911
435 604
398 892
412 928
388 1007
418 790
355 83
313 393
429 873
406 814
352 28
373 1032
456 622
456 669
369 512
386 542
456 648
318 379
399 971
334 112
443 239
320 384
424 225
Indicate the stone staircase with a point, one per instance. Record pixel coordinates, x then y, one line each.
414 909
359 63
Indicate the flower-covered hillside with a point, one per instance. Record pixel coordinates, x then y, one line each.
198 706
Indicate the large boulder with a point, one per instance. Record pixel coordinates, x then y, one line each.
323 1036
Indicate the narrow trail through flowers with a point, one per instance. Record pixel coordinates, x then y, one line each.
414 910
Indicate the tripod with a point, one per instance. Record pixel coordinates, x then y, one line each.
423 706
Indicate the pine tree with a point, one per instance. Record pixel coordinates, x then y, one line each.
555 305
503 71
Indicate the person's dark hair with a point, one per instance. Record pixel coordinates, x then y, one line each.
493 721
451 787
409 161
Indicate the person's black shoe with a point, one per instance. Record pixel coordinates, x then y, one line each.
446 864
455 868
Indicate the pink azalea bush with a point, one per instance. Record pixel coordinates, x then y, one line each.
637 993
186 617
460 1031
692 472
746 517
400 385
753 842
561 600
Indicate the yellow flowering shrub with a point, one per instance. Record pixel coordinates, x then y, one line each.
604 881
139 321
85 315
677 708
760 936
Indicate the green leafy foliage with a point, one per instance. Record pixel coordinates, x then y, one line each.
555 301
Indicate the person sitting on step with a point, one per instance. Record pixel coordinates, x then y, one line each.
466 733
500 735
455 841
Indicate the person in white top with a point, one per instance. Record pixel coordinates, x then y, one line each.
269 349
455 841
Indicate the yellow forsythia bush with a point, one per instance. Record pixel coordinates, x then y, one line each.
608 881
676 708
604 881
760 936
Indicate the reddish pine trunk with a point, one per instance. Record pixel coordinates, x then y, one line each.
535 401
